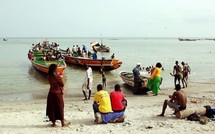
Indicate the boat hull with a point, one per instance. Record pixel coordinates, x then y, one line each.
99 49
40 61
128 78
108 64
45 68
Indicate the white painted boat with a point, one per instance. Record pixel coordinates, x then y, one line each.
128 78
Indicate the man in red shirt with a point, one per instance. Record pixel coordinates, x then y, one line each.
118 100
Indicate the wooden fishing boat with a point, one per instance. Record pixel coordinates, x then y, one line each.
128 78
107 64
99 47
43 65
186 39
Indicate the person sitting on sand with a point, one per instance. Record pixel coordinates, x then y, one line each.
178 101
102 108
118 101
102 101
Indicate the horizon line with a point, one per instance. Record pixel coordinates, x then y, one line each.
102 37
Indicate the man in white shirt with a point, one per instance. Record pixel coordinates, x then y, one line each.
87 85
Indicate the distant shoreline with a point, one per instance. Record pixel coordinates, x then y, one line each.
112 38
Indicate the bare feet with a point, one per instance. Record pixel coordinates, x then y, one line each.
53 125
161 115
66 124
120 119
98 118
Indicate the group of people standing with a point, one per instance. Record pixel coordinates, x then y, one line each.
155 80
82 52
181 73
50 51
153 83
77 51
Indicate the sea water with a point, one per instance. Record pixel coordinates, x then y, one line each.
19 80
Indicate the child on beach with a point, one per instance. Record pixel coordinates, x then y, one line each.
103 80
185 74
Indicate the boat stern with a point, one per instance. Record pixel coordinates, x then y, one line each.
60 68
116 63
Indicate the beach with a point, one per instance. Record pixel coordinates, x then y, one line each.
141 32
23 90
21 116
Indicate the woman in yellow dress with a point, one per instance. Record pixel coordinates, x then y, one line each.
155 79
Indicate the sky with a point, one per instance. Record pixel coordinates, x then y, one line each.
107 18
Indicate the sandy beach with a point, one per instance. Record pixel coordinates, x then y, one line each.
144 32
141 115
